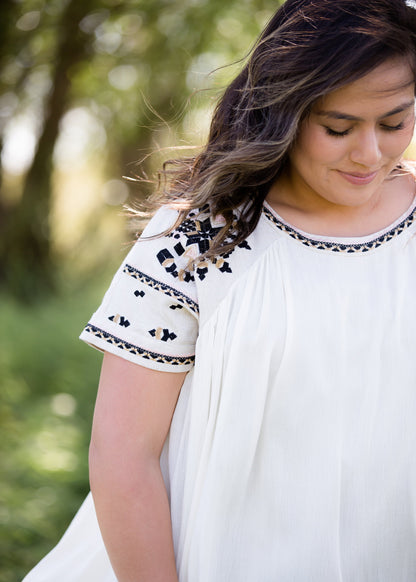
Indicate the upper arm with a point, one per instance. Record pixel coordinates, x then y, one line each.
146 325
134 408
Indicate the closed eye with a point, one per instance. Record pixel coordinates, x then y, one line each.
383 126
334 133
392 127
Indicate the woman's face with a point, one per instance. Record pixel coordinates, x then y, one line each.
354 137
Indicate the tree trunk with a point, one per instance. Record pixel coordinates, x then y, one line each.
26 263
9 11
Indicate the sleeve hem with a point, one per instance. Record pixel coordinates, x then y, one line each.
106 342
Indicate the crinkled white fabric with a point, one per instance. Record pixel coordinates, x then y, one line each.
292 448
302 434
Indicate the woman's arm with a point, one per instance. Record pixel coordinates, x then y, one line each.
132 417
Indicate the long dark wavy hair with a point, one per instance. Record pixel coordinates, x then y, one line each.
308 49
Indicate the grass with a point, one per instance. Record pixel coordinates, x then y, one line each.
48 381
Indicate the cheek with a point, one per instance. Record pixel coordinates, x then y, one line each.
320 149
405 142
395 148
399 143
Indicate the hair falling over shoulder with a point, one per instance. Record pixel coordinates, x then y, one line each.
307 50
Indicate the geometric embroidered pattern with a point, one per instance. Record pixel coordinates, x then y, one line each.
194 238
143 278
120 320
138 351
163 334
337 247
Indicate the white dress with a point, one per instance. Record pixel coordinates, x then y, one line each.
292 452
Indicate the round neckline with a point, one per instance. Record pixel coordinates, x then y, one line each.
344 244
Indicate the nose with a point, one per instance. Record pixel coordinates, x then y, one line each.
366 148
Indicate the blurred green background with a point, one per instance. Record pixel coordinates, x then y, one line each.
87 89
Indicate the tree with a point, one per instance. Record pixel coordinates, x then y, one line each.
25 252
107 55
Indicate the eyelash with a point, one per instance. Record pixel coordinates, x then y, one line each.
334 133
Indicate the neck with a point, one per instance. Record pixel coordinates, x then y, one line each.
312 213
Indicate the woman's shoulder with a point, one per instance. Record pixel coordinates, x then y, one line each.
183 241
178 244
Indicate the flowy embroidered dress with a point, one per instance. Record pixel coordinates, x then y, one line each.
292 451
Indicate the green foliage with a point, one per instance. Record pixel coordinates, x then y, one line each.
48 385
139 69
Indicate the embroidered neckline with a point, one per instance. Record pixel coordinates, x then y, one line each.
344 244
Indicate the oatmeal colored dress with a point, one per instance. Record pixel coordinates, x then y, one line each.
292 452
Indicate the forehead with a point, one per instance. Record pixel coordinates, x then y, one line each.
382 88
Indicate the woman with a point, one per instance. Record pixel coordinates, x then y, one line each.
264 344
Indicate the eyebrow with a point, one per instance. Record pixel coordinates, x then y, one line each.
340 115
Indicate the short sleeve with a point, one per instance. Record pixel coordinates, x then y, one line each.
149 315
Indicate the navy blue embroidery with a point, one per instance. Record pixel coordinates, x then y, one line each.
159 286
137 350
175 306
163 334
120 320
338 247
197 233
139 293
167 261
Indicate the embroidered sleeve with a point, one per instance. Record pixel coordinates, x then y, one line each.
149 314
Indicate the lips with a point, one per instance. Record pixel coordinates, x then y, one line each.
358 179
